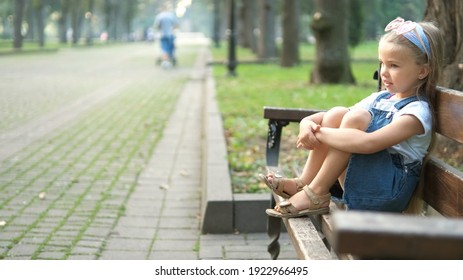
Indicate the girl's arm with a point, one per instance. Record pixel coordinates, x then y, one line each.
307 131
357 141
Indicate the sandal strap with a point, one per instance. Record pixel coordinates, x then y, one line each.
287 208
284 181
279 182
314 198
299 184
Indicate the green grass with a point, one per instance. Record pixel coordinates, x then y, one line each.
242 98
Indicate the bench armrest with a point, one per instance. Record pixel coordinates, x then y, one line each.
397 236
278 118
288 114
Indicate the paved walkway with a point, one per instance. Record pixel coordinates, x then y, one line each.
93 164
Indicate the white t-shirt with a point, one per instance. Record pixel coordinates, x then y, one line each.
416 147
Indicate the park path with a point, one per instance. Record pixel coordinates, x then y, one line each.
78 130
100 157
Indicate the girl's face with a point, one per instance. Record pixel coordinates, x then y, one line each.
399 72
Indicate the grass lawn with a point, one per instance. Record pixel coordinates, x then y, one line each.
242 98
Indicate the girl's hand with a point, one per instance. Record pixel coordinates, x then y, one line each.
306 138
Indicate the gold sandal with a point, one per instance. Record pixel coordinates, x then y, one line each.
287 210
277 185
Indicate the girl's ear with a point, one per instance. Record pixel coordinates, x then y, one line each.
424 71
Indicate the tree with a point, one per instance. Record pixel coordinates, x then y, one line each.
248 25
216 25
77 17
19 6
89 15
111 14
62 21
448 15
356 19
266 44
290 50
330 27
37 6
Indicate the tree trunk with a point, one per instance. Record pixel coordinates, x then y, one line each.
290 51
76 21
248 21
111 13
19 6
266 43
216 26
62 22
448 16
89 15
251 24
330 27
38 10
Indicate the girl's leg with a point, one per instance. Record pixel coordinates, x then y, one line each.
334 164
332 118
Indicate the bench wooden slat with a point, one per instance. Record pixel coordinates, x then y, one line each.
443 188
397 236
288 114
450 114
304 234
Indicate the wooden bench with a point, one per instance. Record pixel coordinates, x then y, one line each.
437 233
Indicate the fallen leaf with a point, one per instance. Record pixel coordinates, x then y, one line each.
42 195
164 186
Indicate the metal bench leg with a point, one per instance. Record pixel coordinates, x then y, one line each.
273 231
272 154
273 141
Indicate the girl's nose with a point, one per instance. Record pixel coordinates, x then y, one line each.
383 71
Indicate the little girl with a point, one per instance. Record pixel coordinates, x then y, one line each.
375 148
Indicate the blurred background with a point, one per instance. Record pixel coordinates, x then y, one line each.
46 22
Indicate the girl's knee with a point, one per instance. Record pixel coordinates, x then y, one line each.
357 118
334 116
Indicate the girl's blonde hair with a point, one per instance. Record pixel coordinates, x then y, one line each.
427 85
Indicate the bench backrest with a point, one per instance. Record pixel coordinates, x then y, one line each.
442 183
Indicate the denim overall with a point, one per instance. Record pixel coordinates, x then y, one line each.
381 181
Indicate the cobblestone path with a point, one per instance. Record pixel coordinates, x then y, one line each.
77 128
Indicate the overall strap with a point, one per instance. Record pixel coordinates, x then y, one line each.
404 102
382 95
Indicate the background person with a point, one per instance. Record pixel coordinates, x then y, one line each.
166 22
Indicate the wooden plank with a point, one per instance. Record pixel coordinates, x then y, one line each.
305 238
449 104
397 236
443 188
288 114
325 225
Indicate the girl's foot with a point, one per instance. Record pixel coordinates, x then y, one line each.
302 204
282 186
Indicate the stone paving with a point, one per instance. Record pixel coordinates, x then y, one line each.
100 158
